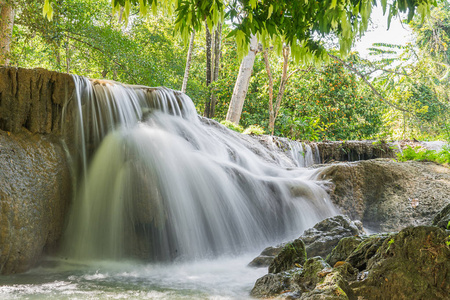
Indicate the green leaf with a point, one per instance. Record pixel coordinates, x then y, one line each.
270 11
333 4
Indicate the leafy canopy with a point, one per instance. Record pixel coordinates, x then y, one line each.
301 24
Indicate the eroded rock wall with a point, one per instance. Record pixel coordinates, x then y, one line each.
33 99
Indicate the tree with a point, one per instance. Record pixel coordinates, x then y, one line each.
301 24
6 29
274 109
188 62
242 81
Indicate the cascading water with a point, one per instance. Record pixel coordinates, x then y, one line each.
192 201
160 184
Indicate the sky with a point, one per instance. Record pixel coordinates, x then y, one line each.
397 34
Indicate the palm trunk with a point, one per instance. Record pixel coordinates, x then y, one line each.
6 28
188 62
242 82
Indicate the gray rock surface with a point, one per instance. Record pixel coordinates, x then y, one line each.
387 195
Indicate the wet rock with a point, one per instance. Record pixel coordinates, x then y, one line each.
261 261
387 195
343 249
292 255
442 219
319 240
266 256
314 270
271 285
413 264
334 285
366 250
35 191
325 235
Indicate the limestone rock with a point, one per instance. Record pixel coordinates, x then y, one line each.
413 264
35 191
33 99
387 195
271 285
343 249
290 256
325 235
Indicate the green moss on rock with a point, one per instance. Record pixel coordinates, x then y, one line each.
292 254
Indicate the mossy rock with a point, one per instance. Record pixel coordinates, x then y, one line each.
314 270
365 250
292 255
413 264
343 249
334 285
270 285
442 219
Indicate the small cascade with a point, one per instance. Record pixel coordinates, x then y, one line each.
303 154
159 184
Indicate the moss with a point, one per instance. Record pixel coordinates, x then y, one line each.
343 249
292 255
415 266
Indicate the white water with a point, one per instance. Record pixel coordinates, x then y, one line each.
224 278
188 198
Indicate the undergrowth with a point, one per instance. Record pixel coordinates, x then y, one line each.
421 154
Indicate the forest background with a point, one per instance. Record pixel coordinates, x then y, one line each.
402 92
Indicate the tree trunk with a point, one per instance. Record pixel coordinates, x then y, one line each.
207 111
242 82
188 62
283 82
269 74
215 75
6 28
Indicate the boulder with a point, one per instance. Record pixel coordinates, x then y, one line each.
360 256
412 264
292 255
271 285
319 240
325 235
343 249
387 195
35 192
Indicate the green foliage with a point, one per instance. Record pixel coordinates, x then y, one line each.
420 154
330 103
83 39
300 24
232 126
254 129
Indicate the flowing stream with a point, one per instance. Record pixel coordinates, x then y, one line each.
168 204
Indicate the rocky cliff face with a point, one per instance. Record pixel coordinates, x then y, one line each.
33 99
35 182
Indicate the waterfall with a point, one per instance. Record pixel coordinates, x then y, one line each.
158 182
303 154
